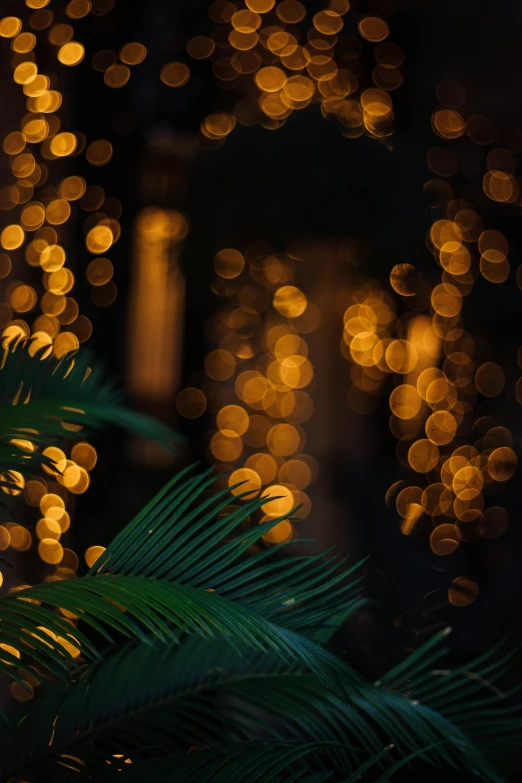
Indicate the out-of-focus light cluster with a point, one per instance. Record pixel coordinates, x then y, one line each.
116 66
368 342
281 57
44 202
40 200
49 497
458 458
260 381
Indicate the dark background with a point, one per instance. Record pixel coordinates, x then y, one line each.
306 180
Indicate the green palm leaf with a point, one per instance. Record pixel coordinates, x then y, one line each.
295 704
205 692
40 396
186 535
468 697
169 699
138 607
233 667
253 762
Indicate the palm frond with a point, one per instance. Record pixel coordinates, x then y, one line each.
189 535
170 698
252 762
203 693
468 697
139 607
255 762
296 705
233 668
40 396
390 771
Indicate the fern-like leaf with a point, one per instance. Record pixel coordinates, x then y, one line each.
207 693
186 535
48 400
249 762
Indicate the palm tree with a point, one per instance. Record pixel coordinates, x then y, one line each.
190 652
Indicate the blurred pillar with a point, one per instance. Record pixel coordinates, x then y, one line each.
156 312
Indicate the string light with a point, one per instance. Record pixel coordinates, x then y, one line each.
261 365
260 378
39 203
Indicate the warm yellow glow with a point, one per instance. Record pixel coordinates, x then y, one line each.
71 53
10 26
175 74
12 237
133 53
99 239
251 481
92 554
77 9
50 550
156 307
63 144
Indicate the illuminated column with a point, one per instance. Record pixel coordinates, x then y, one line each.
155 330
